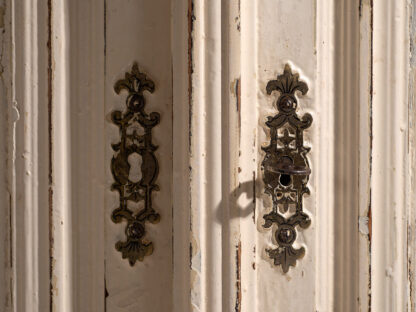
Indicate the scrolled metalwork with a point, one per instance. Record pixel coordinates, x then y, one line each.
286 169
135 127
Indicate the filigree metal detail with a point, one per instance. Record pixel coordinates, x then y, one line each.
135 127
286 169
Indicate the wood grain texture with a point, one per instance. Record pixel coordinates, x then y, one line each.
140 31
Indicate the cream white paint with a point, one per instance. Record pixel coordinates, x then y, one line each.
248 159
209 246
294 43
390 164
140 31
325 214
26 147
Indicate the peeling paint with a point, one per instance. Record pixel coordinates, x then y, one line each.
410 268
237 19
361 4
9 298
411 142
238 101
369 221
15 113
52 289
49 46
235 89
195 267
191 19
195 295
371 147
363 225
254 197
238 277
52 282
190 255
193 249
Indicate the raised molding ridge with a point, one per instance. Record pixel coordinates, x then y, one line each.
390 158
28 155
325 214
206 144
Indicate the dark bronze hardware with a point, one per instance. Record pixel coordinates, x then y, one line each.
135 127
286 169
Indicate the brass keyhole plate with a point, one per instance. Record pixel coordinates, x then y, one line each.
135 127
286 169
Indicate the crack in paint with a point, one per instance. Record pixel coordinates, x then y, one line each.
371 148
238 277
52 289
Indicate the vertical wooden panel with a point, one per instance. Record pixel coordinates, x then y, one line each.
286 33
140 31
346 154
389 180
324 51
77 151
206 148
411 221
87 142
28 155
364 218
249 176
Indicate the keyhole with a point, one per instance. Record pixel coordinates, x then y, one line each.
135 161
285 179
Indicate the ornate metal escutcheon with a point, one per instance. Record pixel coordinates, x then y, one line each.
135 127
286 169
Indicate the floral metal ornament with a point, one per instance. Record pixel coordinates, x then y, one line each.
135 127
286 169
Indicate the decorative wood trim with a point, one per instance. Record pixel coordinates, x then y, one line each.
345 166
411 220
77 134
249 199
28 155
206 158
390 157
324 159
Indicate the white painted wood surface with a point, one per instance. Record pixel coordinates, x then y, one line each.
390 158
292 44
26 114
210 61
131 30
